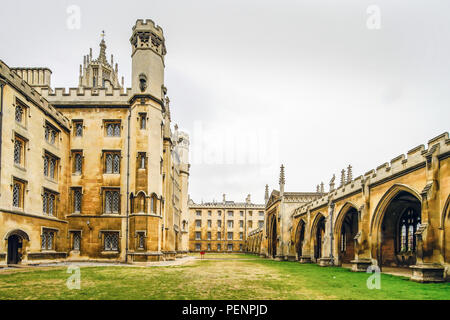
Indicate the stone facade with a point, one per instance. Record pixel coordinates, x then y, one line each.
394 216
223 226
95 173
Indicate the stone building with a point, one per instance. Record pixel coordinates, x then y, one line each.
395 216
96 172
223 226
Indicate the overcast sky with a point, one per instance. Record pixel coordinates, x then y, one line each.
315 85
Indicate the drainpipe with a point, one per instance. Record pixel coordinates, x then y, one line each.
2 84
128 182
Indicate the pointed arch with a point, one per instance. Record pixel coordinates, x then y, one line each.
384 202
394 244
300 237
317 233
345 229
140 202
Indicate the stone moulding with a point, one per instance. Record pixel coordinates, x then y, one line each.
305 259
325 262
428 272
360 265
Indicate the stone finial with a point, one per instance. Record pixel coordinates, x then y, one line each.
332 182
322 189
317 188
224 198
248 199
342 177
266 193
282 180
349 174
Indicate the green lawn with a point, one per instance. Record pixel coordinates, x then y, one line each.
255 278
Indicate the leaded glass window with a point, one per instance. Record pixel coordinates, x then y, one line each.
112 201
141 240
109 163
113 129
112 163
19 113
78 163
77 200
76 240
47 240
78 129
17 191
49 203
116 163
143 121
45 166
111 241
18 146
409 223
50 166
50 134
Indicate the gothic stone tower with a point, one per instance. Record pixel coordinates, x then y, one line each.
147 120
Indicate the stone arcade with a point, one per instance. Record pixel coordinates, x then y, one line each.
394 216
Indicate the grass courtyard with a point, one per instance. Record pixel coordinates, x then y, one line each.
221 277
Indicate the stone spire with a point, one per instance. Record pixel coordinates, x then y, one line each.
317 188
349 174
102 54
266 194
342 177
322 189
282 180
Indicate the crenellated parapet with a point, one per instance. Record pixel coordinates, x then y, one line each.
147 35
12 77
82 96
398 166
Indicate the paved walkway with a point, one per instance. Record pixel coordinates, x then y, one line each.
176 262
395 271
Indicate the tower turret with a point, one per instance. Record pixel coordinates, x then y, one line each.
148 51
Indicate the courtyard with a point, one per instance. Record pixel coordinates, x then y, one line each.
216 277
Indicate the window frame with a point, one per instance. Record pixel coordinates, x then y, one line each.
105 192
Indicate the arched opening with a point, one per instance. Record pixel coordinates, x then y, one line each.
15 243
300 237
319 234
446 226
140 205
273 237
397 240
347 233
153 203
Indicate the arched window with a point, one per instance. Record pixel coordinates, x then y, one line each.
409 223
343 242
153 201
140 203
